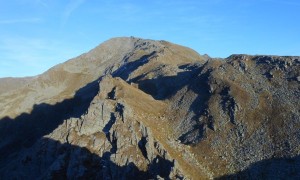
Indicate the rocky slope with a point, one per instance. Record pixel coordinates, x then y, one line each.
142 109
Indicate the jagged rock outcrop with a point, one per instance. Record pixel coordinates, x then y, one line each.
143 109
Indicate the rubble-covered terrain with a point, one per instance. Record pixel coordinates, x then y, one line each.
141 109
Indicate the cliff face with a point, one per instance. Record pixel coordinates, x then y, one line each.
135 108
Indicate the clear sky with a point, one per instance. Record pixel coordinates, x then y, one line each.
37 34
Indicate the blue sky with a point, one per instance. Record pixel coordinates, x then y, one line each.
38 34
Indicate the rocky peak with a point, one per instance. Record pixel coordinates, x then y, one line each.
134 108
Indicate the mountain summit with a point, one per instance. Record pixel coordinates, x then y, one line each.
141 109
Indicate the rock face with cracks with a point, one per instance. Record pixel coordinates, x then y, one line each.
141 109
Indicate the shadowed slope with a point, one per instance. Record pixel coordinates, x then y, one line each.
63 163
277 168
26 129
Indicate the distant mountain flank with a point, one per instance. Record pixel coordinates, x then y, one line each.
134 108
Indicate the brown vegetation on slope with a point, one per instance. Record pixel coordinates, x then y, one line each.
161 111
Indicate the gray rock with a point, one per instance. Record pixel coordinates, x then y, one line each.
142 109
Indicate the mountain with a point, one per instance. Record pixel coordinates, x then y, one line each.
141 109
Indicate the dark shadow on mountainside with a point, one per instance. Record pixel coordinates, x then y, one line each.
24 130
275 168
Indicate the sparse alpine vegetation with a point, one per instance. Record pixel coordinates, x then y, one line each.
141 109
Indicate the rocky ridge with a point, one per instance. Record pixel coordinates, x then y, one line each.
135 108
